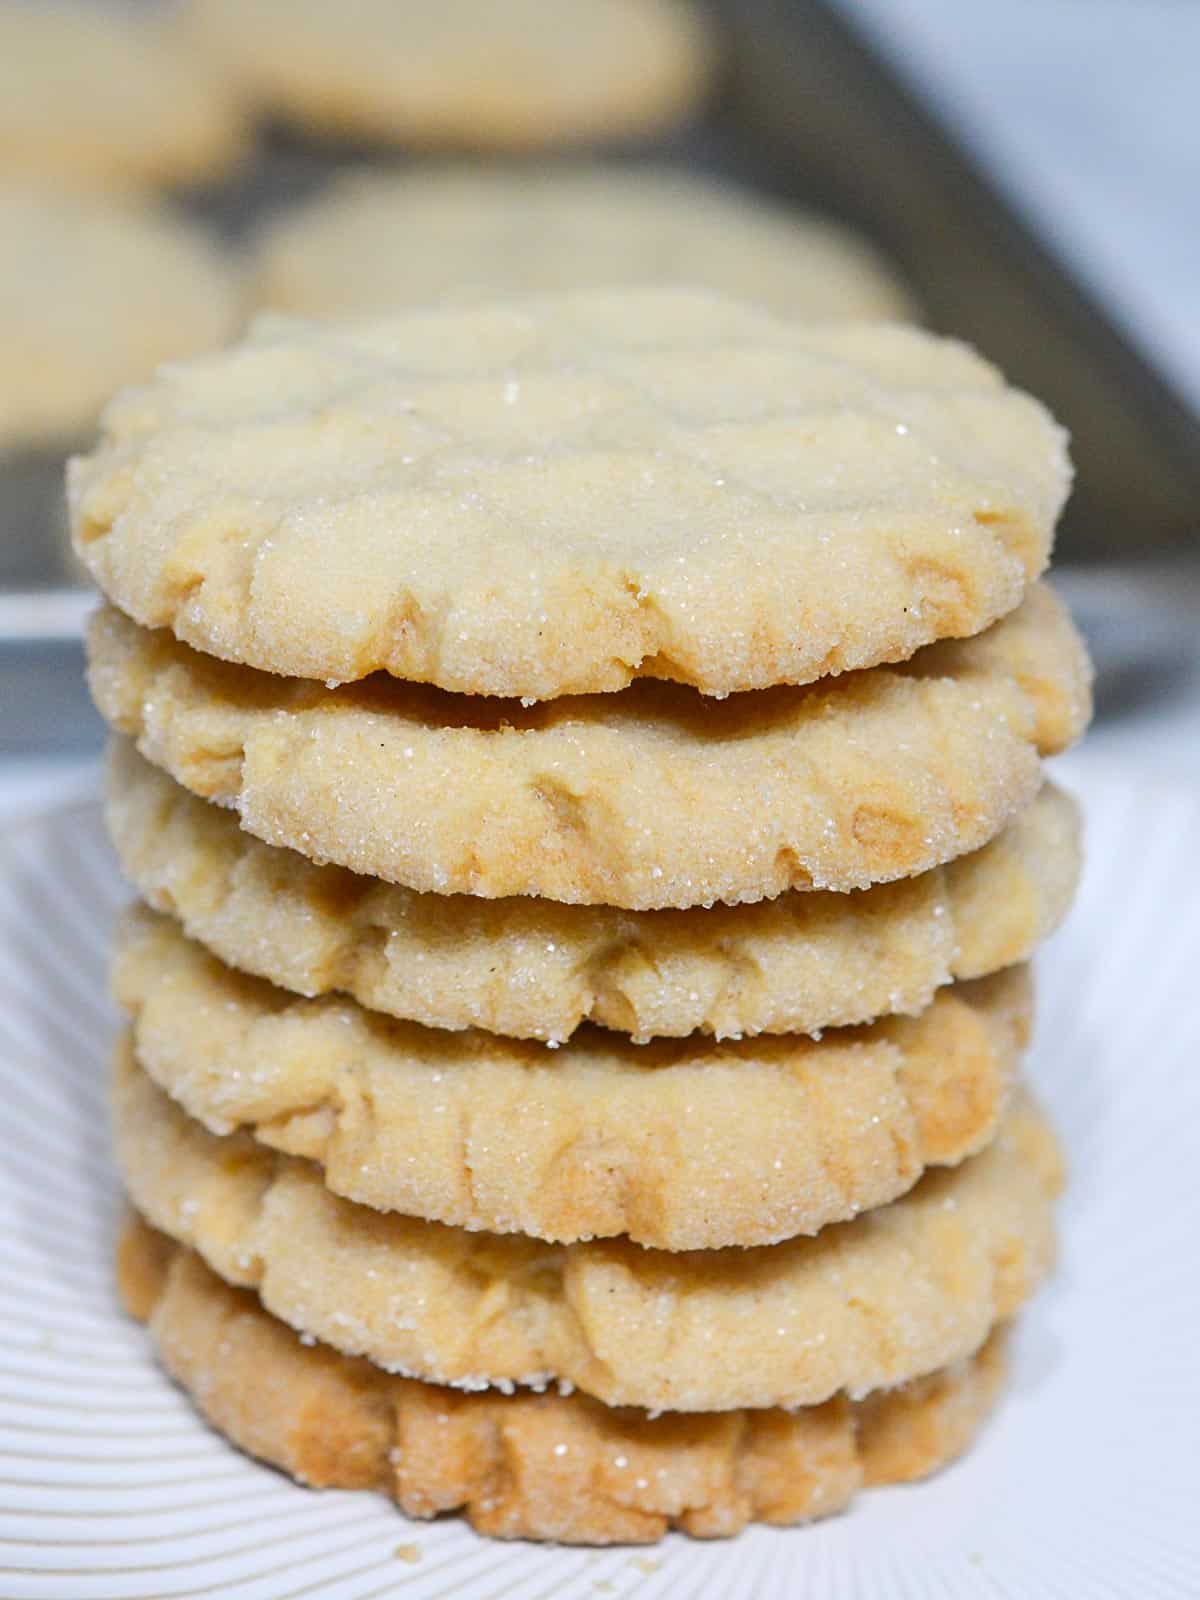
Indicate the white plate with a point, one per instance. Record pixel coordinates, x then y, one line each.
1083 1488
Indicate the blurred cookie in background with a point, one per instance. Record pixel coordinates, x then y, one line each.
94 293
97 97
465 74
375 242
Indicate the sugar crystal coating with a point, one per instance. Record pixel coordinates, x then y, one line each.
649 798
531 1466
680 1144
536 969
894 1294
555 496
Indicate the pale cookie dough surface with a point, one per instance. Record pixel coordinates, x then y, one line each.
893 1295
526 1466
681 1145
535 969
97 97
381 242
470 74
94 293
650 798
557 495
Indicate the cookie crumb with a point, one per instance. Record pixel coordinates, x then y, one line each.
408 1552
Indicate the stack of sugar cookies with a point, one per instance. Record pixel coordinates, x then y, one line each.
581 759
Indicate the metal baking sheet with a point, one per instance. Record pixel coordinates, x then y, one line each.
809 114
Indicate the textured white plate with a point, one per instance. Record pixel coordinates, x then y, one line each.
1084 1487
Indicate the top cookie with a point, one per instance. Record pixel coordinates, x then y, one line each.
559 495
382 242
92 96
466 73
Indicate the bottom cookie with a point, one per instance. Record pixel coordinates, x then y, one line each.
531 1466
